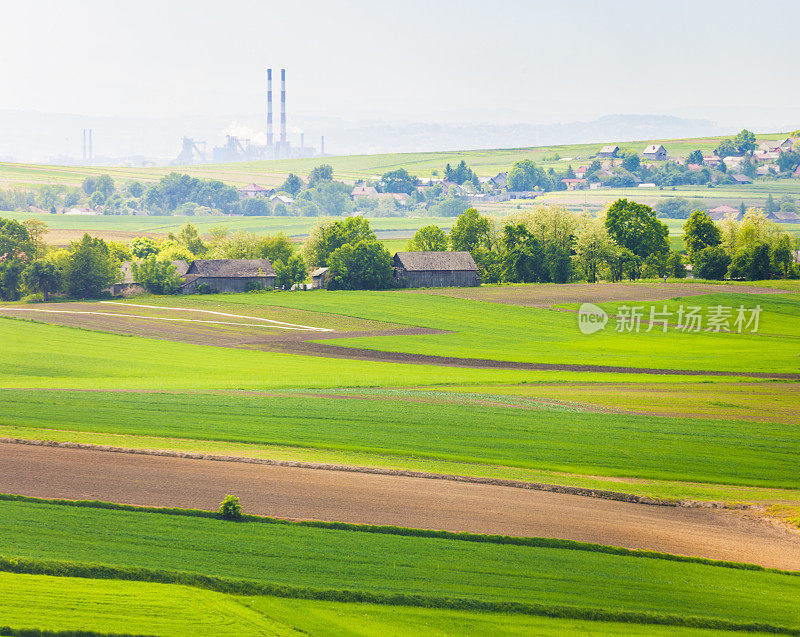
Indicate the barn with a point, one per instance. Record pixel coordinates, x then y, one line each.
128 286
655 152
228 275
435 269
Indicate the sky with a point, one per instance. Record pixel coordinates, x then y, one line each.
731 61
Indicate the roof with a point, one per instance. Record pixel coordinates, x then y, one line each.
254 188
742 179
652 149
436 261
364 191
231 268
574 181
319 271
607 150
723 210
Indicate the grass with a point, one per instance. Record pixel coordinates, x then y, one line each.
67 603
305 556
710 451
516 333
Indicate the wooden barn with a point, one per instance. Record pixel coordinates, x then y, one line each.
435 269
228 275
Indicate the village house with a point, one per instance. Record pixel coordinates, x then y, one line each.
500 180
435 269
400 197
574 184
580 173
779 146
742 179
608 151
723 211
712 160
655 152
286 200
254 190
319 279
228 275
363 191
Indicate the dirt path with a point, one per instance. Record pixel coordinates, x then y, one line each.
290 492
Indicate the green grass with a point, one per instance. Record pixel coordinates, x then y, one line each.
515 333
304 556
710 451
67 603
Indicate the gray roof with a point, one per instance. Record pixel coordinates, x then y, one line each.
231 267
319 271
435 261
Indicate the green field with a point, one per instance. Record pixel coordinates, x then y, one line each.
710 451
68 603
384 564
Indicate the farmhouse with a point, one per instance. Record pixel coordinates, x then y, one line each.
722 211
435 269
367 192
574 184
319 279
128 285
608 151
284 199
228 275
655 152
500 180
742 179
254 190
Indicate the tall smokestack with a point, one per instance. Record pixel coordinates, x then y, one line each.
269 111
84 144
302 142
283 107
322 145
90 144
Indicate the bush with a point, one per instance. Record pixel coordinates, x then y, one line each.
230 509
204 288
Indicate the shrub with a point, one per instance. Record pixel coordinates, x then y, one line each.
711 263
230 509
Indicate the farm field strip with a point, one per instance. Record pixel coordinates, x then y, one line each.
117 606
389 564
671 490
646 447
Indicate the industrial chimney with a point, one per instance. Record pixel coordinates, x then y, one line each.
90 144
270 143
322 145
283 108
84 144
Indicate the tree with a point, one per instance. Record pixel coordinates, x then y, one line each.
332 197
523 258
711 263
157 275
471 231
135 189
770 207
673 208
320 174
631 161
745 141
676 268
752 262
570 174
450 207
524 175
10 279
726 148
230 509
289 272
365 265
700 232
292 185
428 239
277 248
788 161
328 236
90 268
143 247
782 255
89 185
593 248
654 266
695 157
16 250
189 237
398 181
634 226
42 277
460 174
36 231
105 185
255 207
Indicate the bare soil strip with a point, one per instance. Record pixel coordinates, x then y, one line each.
548 294
303 493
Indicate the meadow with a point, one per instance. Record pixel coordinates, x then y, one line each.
69 603
315 559
545 438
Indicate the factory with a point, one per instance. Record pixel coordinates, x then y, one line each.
242 149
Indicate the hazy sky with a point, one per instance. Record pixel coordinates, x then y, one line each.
731 61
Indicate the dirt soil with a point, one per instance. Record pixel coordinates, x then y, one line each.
546 295
300 493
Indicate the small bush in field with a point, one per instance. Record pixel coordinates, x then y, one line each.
230 509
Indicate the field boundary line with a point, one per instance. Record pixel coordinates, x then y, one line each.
166 318
405 473
252 318
235 586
